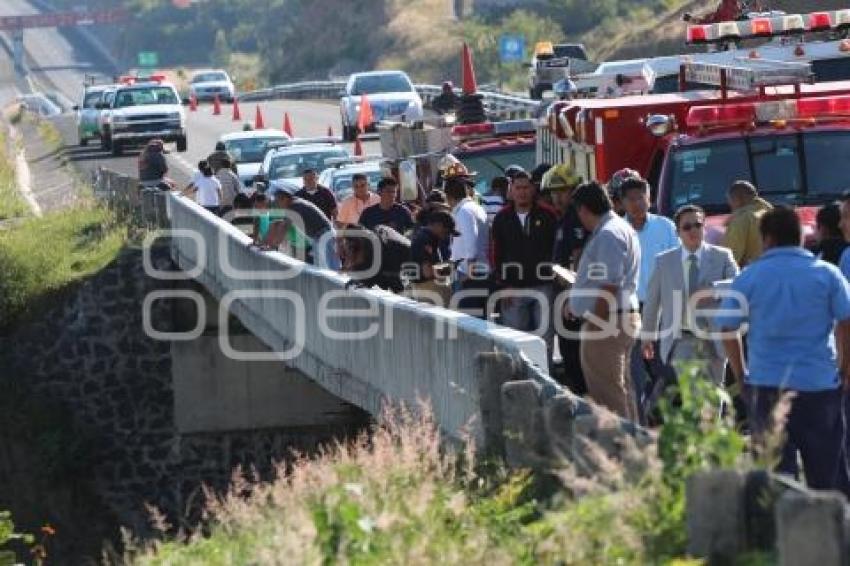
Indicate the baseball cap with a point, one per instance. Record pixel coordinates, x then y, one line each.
512 170
618 178
279 186
444 218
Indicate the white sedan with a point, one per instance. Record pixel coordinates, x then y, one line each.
249 148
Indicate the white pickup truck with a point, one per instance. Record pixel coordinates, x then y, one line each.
141 110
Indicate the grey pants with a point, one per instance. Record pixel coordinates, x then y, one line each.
690 349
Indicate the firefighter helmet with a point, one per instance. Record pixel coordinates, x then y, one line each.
560 178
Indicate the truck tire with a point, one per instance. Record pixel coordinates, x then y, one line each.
84 141
182 144
117 149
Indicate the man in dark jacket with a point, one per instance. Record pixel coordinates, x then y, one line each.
317 194
523 236
221 158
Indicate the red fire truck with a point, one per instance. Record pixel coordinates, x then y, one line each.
766 124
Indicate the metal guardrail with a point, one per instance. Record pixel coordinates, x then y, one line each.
500 106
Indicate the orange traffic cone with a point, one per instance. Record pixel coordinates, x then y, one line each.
259 123
469 84
330 131
237 114
193 103
358 147
216 106
287 125
366 117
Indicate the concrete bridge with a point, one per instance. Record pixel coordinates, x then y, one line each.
365 347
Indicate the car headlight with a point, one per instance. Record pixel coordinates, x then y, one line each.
174 116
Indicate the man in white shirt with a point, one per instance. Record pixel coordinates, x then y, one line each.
470 248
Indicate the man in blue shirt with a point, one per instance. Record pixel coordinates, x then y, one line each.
844 225
656 234
792 303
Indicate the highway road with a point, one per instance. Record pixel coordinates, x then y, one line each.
58 60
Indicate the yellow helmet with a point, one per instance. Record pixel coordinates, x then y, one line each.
560 178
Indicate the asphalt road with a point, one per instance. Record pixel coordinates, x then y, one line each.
58 60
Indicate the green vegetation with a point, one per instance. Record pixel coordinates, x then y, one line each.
9 536
304 39
43 255
396 497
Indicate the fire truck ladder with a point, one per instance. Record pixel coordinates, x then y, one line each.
747 75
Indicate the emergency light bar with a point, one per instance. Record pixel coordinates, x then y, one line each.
749 74
775 111
494 128
133 79
770 25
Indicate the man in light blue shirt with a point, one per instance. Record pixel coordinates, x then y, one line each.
792 303
656 234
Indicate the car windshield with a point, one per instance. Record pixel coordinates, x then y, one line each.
377 84
209 78
342 183
250 150
92 98
294 164
493 163
571 51
798 168
145 96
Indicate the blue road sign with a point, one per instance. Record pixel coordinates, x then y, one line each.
511 48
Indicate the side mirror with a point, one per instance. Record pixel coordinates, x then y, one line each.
75 108
102 105
260 178
527 65
184 101
342 94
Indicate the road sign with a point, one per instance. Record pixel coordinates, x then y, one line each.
148 59
511 48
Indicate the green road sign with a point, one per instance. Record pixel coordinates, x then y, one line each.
148 59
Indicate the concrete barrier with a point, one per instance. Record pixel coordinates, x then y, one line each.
731 512
408 352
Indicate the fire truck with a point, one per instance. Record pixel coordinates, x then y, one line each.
768 123
771 36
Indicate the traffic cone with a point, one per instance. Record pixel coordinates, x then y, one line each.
237 114
216 106
330 131
193 103
366 116
358 147
259 123
287 125
469 84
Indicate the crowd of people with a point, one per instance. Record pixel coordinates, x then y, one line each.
620 295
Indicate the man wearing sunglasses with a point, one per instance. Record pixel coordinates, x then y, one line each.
671 305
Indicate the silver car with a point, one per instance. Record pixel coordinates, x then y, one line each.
391 96
209 84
